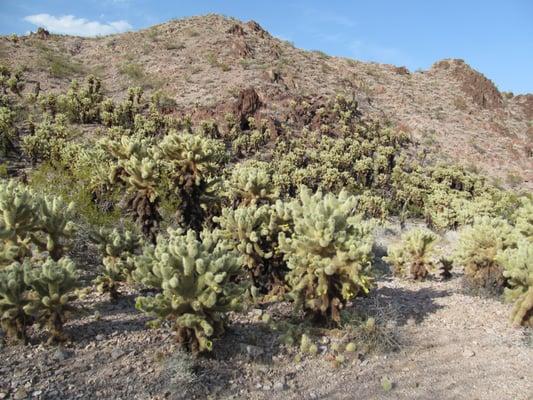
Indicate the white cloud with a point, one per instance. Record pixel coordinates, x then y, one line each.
70 25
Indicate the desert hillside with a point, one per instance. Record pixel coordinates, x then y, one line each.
202 211
203 63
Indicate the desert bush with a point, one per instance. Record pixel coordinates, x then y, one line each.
412 255
117 247
197 279
328 253
478 247
518 270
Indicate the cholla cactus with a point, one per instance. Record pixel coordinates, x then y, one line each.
140 177
52 285
11 80
190 161
55 222
250 231
18 220
251 183
13 319
329 253
26 219
523 219
82 104
197 278
478 247
48 140
122 114
117 247
518 264
7 129
412 255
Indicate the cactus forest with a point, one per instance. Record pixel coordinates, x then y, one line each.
203 226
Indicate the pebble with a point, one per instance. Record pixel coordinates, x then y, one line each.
61 354
20 394
279 386
99 337
254 351
3 395
116 354
468 353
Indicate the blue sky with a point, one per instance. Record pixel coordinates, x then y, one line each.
495 37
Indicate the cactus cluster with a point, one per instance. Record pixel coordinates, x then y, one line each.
37 292
412 255
190 162
7 129
47 139
251 183
29 221
82 103
478 248
13 81
518 270
328 254
117 248
197 277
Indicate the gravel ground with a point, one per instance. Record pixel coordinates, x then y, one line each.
450 345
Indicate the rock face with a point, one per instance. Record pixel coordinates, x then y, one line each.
247 105
475 85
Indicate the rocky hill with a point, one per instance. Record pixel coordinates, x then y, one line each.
204 63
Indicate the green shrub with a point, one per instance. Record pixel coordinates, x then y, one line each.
328 254
197 279
412 255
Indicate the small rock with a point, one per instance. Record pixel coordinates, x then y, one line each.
3 395
20 394
99 337
116 354
279 386
61 354
468 353
37 393
254 351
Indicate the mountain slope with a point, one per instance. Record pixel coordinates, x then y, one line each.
204 63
